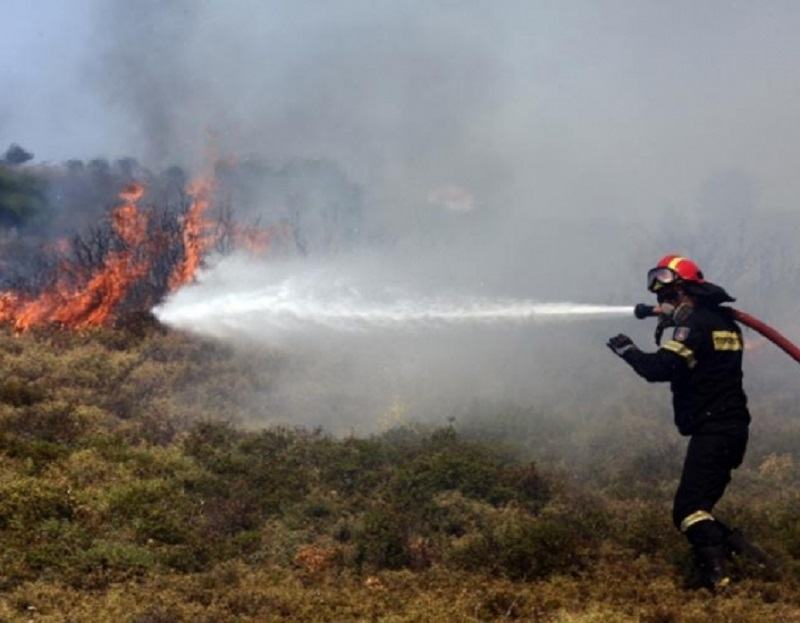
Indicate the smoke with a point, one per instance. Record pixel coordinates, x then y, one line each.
516 146
534 108
530 152
366 344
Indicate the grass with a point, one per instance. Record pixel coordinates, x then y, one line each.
128 494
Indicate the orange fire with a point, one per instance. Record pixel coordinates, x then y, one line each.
81 297
93 300
198 234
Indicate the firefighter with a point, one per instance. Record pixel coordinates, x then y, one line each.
703 363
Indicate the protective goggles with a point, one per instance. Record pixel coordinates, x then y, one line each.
660 277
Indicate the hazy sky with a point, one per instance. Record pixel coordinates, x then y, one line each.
576 106
47 104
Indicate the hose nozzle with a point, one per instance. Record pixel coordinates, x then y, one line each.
642 311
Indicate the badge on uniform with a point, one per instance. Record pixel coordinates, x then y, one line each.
681 333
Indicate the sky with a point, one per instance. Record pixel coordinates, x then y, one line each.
517 102
47 104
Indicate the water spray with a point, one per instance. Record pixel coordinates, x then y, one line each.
276 309
321 300
642 311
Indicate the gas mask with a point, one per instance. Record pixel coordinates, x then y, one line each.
672 312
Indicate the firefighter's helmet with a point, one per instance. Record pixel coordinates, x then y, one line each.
671 270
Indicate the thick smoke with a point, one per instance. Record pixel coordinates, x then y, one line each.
531 142
543 151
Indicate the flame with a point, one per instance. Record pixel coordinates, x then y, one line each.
198 235
8 304
94 301
81 297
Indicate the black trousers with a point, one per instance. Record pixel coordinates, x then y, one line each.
706 472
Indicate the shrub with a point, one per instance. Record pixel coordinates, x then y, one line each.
121 559
56 422
156 509
26 501
19 394
513 543
535 548
444 462
645 528
119 474
382 539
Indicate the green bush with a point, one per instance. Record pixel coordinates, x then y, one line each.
512 543
26 501
23 196
382 540
529 548
17 393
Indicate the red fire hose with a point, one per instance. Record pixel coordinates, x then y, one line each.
781 341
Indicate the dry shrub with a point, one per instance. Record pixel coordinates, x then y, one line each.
17 393
122 495
316 559
382 540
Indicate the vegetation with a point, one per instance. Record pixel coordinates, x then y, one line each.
22 196
133 487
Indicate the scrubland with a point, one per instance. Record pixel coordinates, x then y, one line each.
136 485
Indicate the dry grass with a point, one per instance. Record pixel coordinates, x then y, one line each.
124 498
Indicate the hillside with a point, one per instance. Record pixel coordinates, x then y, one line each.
136 484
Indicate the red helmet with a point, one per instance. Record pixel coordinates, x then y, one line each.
673 269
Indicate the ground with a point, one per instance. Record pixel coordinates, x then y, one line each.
136 485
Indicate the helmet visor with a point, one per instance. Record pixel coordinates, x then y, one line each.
659 277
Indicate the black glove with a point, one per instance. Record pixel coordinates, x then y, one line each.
642 311
621 344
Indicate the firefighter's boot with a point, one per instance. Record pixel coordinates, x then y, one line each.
711 563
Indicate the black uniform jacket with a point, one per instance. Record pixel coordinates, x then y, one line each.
703 362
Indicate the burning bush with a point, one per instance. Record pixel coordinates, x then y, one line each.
124 260
91 279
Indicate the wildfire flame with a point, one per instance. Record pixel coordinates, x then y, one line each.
93 300
198 235
81 297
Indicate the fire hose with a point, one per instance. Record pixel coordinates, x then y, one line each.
781 341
